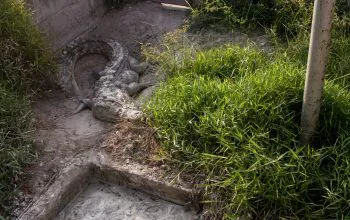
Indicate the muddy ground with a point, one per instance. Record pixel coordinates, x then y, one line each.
60 136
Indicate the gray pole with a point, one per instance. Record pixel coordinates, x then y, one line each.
316 67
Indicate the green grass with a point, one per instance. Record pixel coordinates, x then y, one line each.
14 143
25 56
225 62
232 115
25 65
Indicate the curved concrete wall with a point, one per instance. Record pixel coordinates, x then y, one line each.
64 20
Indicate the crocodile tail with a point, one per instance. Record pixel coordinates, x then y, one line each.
76 88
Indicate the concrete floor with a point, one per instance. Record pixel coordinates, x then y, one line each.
105 201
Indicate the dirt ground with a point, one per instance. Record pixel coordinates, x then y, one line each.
60 136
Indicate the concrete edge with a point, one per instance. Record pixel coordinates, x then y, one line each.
83 170
162 190
175 7
72 180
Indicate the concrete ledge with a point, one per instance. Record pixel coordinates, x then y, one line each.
162 190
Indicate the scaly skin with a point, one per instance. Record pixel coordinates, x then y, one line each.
133 88
125 69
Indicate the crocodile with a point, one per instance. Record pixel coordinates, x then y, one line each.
122 72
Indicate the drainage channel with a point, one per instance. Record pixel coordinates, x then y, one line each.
91 187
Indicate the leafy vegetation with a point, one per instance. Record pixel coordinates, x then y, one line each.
285 18
230 116
24 60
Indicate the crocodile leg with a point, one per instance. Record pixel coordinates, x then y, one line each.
136 66
84 104
134 88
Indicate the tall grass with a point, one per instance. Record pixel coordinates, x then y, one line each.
25 65
231 116
26 58
237 124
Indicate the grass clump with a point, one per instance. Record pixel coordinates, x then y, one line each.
224 63
176 55
25 61
239 129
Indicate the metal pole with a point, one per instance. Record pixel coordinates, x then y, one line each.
316 67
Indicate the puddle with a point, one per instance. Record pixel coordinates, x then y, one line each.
105 201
